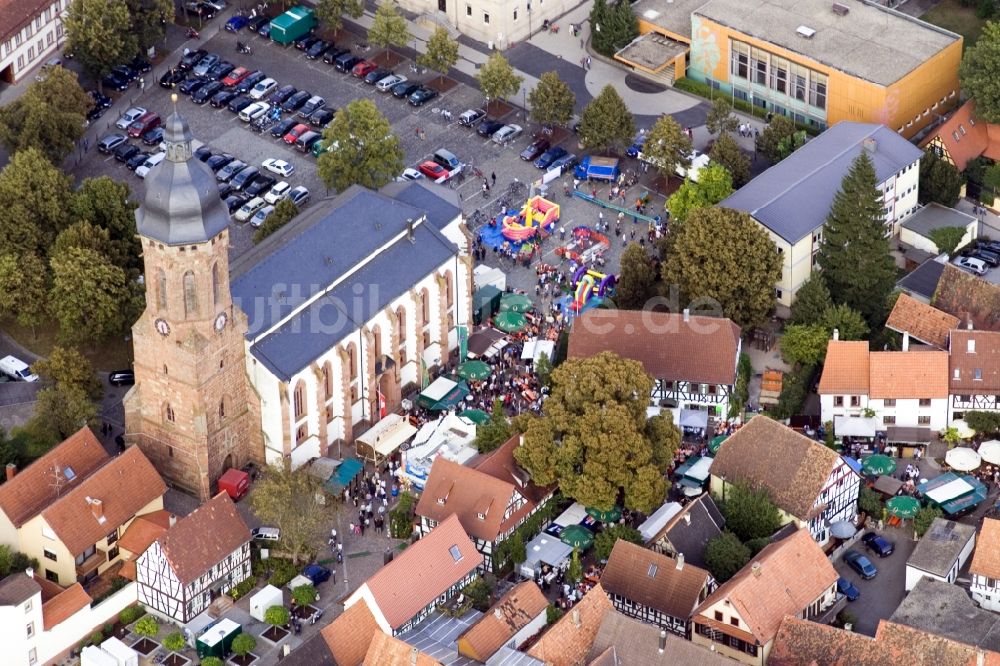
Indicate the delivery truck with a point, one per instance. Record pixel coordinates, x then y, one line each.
592 167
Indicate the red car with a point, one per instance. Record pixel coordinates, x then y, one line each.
362 68
235 77
294 134
432 170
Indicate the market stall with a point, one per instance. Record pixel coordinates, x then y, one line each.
383 438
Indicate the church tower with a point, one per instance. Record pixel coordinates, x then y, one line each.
192 411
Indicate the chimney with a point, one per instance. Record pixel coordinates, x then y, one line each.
497 613
414 653
755 568
869 144
980 657
836 334
680 561
906 341
11 470
968 324
576 618
409 229
97 508
663 641
687 315
30 573
687 518
173 519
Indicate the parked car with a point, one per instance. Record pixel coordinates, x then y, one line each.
227 172
266 533
361 69
404 89
566 162
220 71
153 137
507 133
243 178
247 84
977 266
129 117
318 49
190 86
100 100
878 544
116 82
236 76
471 117
281 94
239 103
148 165
278 192
861 564
409 173
260 184
94 113
216 162
205 64
848 589
191 58
376 75
299 196
125 72
206 92
203 153
346 62
254 111
305 42
317 574
389 82
236 23
172 77
109 142
546 159
140 65
637 143
535 149
280 167
295 102
121 377
247 210
136 161
293 134
125 151
222 98
225 189
263 88
265 30
312 105
261 216
234 201
283 127
988 257
16 369
255 23
991 245
331 55
432 170
421 96
322 118
305 142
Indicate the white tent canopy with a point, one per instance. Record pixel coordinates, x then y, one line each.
854 426
387 435
658 520
574 515
534 348
949 491
544 549
439 388
694 418
963 459
700 470
990 451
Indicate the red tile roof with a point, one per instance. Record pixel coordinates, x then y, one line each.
922 321
701 349
16 14
986 560
423 572
984 357
968 297
350 635
568 641
43 481
909 374
203 538
965 137
64 605
497 626
389 651
654 580
144 530
845 370
500 464
123 487
783 579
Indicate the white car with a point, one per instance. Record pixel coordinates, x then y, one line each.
388 82
507 133
130 117
280 167
254 111
278 192
143 170
971 264
698 161
409 173
260 216
299 196
247 210
263 89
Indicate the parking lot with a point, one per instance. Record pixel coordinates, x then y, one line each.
882 594
421 130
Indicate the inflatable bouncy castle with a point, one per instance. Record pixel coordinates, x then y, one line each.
589 284
537 214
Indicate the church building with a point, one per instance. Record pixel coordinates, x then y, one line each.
301 342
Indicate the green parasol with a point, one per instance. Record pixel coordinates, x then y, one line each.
878 465
477 416
577 536
713 446
475 371
610 516
515 303
510 321
903 506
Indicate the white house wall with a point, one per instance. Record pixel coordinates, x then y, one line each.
35 42
906 411
68 633
508 20
986 594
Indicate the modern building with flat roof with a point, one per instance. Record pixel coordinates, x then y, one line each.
821 62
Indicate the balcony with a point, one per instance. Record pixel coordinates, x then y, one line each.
91 563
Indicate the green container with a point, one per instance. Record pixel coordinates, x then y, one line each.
291 25
217 639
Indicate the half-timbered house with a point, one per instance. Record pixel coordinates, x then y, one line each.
974 372
200 557
985 568
692 359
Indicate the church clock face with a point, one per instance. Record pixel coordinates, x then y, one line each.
162 327
220 321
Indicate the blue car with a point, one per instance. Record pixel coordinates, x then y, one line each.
879 545
637 144
236 23
861 564
848 589
317 574
546 159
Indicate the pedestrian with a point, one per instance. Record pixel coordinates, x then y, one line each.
486 189
756 133
416 132
600 220
588 62
493 177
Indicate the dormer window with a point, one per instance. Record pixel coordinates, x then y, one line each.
442 500
481 516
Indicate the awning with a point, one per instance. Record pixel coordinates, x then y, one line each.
945 488
700 470
443 393
967 501
888 485
854 426
345 473
385 436
574 515
853 464
486 341
658 520
546 549
694 418
908 435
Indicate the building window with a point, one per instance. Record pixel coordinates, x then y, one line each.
216 285
758 66
112 553
30 629
515 14
977 375
161 289
112 537
890 402
718 616
448 290
28 606
299 400
327 381
923 420
32 656
889 420
49 555
799 76
468 10
401 323
168 413
425 306
838 401
190 295
735 621
925 402
855 401
377 341
300 434
817 90
486 17
222 408
52 576
739 59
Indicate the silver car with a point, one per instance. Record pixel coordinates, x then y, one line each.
507 133
386 84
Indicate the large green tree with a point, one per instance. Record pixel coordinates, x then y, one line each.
811 301
613 26
854 253
592 437
68 369
388 28
720 117
24 289
441 52
727 152
551 101
497 79
89 297
722 255
725 555
364 149
714 184
331 12
980 72
287 498
780 139
804 344
636 278
100 35
750 513
940 181
107 203
49 116
947 239
34 203
848 322
149 21
667 146
67 403
606 539
606 123
494 432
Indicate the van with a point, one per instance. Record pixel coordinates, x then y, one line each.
314 104
447 159
266 533
144 123
306 141
17 369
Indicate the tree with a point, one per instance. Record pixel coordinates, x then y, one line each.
24 289
574 572
244 644
750 513
364 149
614 26
83 235
812 300
984 423
49 116
722 255
283 497
497 78
592 437
67 368
947 239
87 295
551 101
212 661
725 555
636 278
388 28
606 123
282 214
667 146
543 370
978 73
401 518
727 152
848 323
277 616
440 54
951 436
99 34
869 501
922 521
854 253
34 203
778 140
940 181
605 540
720 117
174 642
149 21
516 548
303 595
331 12
494 432
714 184
147 626
804 344
107 203
478 592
